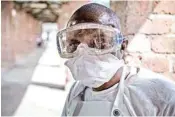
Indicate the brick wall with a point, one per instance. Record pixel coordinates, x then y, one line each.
150 27
19 34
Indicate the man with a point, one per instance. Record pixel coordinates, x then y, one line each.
104 85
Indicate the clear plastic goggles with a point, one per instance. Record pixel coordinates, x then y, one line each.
100 38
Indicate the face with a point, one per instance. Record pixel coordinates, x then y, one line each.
94 38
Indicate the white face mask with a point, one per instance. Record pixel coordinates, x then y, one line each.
93 70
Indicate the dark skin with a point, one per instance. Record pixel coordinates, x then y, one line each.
115 79
95 13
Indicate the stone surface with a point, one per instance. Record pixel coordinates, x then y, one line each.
164 7
156 63
153 24
156 26
134 23
119 7
163 44
139 8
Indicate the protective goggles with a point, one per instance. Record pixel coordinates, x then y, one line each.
99 38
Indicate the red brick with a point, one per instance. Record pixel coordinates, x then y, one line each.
163 44
138 8
167 7
134 23
119 7
113 5
156 26
156 64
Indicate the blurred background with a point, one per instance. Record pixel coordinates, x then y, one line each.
35 81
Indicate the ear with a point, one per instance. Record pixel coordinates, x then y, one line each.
124 45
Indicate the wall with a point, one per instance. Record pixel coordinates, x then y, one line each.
67 10
19 32
150 28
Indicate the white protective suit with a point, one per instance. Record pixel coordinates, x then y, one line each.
141 93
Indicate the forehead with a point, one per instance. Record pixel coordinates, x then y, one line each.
94 13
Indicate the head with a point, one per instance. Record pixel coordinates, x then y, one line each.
93 13
105 37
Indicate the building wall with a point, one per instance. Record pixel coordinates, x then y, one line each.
150 28
18 34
